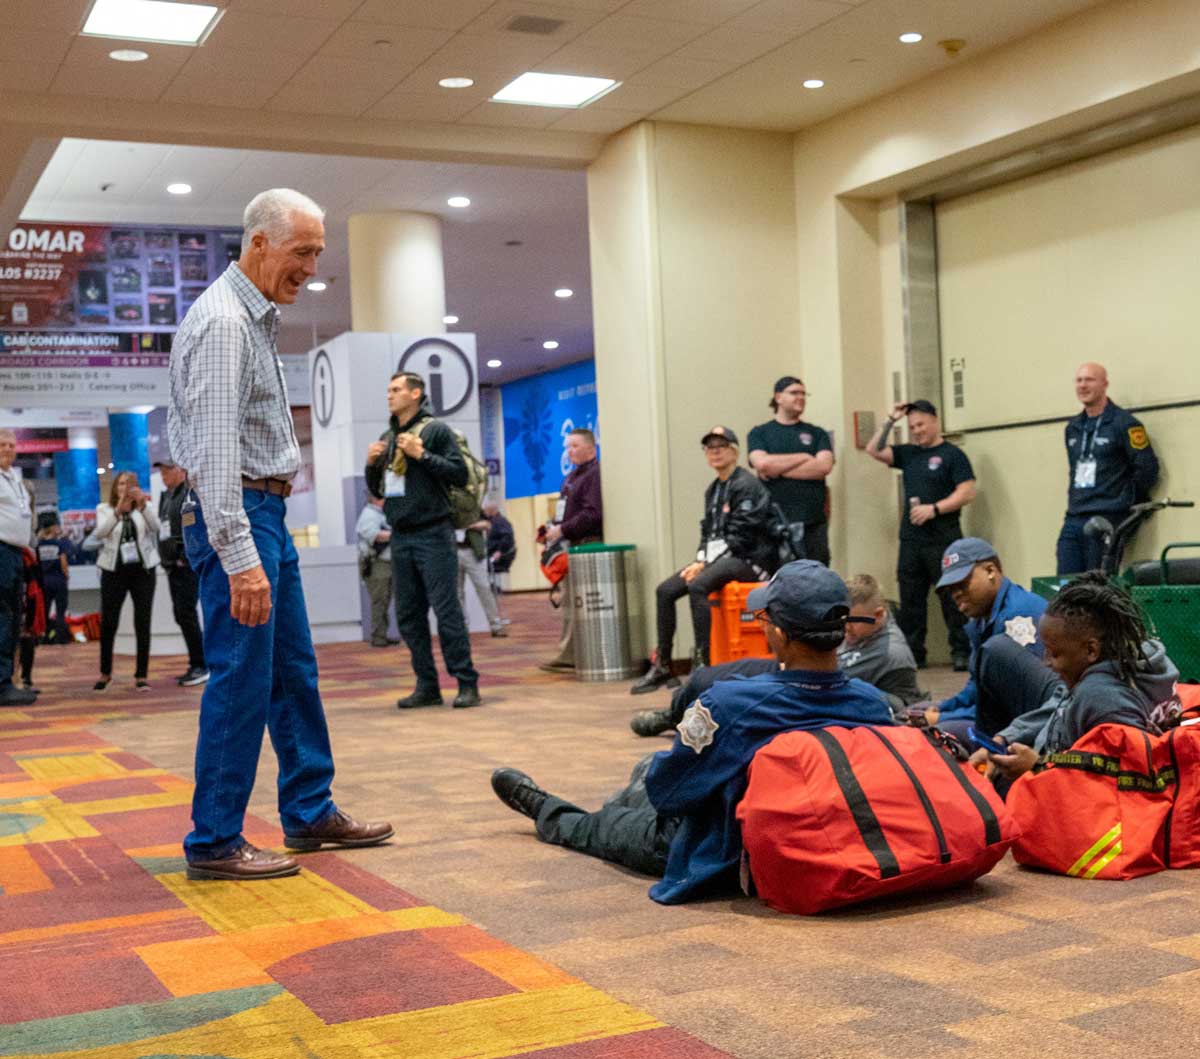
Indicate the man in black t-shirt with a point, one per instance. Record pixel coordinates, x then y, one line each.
793 458
938 483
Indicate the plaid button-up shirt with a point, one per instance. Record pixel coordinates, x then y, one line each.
229 415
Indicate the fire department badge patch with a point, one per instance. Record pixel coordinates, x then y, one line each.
1021 630
697 727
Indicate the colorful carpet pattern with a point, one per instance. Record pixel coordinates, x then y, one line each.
107 951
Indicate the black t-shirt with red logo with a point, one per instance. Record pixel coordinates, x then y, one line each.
931 475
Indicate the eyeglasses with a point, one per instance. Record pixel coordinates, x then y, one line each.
762 617
717 446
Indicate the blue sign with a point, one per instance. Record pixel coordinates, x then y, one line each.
539 413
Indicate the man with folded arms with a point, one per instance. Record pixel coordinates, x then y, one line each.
231 426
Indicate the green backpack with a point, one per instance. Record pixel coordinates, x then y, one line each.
466 501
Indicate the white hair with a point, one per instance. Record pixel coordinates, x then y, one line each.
270 212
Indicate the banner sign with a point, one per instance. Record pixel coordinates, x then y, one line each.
94 276
41 369
539 413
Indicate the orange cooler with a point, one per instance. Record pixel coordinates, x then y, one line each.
735 633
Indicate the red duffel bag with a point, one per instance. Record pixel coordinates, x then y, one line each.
1100 809
841 815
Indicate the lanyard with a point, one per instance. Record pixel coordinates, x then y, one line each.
716 513
1088 441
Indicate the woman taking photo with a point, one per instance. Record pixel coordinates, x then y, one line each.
127 530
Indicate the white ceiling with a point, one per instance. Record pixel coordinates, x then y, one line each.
720 62
504 294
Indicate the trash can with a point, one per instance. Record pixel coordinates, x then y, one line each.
608 611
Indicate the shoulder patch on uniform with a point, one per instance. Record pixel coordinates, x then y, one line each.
697 727
1138 438
1021 630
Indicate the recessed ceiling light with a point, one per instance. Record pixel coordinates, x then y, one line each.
129 55
554 90
99 470
170 23
449 319
911 38
563 292
459 202
814 82
456 82
550 345
494 363
179 189
317 286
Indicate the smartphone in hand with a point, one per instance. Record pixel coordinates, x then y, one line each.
987 742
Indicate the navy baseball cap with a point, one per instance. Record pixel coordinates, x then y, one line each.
721 433
803 596
960 558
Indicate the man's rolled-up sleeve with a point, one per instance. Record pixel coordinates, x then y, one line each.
216 394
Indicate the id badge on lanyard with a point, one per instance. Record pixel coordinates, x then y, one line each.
1085 468
393 483
560 509
164 530
129 552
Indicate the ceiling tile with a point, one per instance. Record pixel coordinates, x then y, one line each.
325 73
357 40
643 98
66 15
706 11
335 9
199 88
250 31
601 121
300 97
61 162
205 169
423 81
432 14
736 45
423 106
511 116
35 46
224 63
465 54
121 166
788 17
641 34
88 71
16 76
682 72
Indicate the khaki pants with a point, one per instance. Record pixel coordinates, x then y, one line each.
379 588
476 570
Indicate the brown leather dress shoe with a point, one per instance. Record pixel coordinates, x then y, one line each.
339 829
245 864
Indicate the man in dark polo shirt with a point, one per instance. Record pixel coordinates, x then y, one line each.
793 459
938 483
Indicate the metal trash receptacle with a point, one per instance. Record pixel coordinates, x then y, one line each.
607 606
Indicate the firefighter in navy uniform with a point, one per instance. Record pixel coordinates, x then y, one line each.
1112 467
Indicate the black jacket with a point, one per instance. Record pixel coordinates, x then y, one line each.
426 481
739 512
170 508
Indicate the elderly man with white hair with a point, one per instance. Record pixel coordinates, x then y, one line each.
231 426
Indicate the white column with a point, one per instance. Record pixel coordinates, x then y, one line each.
397 282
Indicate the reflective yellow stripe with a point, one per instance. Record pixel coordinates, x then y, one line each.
1103 862
1083 861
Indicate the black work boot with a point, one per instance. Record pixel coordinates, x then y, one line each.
516 790
651 722
656 677
420 697
468 695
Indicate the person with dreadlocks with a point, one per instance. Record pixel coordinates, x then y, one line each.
1101 667
677 816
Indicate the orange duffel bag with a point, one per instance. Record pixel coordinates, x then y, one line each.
1100 809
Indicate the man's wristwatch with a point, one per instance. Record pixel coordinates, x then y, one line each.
936 509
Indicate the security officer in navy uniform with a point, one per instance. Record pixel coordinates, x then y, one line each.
1112 467
938 483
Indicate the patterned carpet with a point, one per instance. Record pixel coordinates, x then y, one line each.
1019 965
107 951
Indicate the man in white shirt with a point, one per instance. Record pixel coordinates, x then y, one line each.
15 531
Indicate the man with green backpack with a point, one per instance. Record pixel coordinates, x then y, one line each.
428 487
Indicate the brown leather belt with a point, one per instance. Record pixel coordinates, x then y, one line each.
276 486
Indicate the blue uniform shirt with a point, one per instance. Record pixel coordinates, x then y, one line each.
704 788
1015 612
1126 467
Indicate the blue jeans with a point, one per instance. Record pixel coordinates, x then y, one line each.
425 575
261 675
